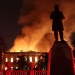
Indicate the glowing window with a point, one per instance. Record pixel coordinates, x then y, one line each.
6 68
6 59
17 58
16 67
11 59
36 59
11 68
30 59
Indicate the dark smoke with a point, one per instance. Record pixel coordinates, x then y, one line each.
72 37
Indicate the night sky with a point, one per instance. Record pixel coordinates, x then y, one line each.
9 14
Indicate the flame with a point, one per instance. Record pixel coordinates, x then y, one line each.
33 39
36 34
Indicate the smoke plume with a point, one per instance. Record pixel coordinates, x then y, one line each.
37 34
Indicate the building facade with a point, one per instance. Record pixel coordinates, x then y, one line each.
10 57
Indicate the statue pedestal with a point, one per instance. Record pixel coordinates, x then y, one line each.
61 59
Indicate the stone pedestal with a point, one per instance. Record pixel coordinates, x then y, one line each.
61 62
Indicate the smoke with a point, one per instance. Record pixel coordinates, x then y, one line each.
72 37
37 34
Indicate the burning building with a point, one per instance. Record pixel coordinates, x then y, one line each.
8 59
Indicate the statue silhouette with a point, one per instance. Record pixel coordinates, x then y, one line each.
57 25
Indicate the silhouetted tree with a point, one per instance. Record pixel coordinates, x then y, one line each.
42 62
45 57
22 62
3 46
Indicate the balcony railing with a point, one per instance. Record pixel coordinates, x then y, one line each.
24 72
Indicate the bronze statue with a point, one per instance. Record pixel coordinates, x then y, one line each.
57 25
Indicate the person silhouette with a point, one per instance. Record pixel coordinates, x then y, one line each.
57 25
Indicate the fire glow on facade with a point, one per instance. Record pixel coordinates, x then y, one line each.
37 34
